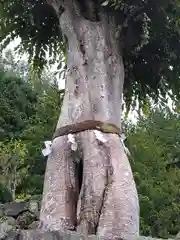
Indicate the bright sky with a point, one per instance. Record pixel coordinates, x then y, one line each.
53 68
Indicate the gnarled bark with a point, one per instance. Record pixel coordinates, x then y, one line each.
107 204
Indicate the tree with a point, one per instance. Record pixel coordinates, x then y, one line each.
104 40
5 195
38 129
17 101
12 165
154 146
24 107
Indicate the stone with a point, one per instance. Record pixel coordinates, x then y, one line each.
58 235
24 215
33 225
25 219
12 235
15 208
178 236
34 207
11 221
1 210
54 235
5 228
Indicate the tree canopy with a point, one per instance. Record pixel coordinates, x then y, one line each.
29 110
154 145
17 102
150 30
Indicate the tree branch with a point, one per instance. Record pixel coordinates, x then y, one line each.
57 5
72 6
89 9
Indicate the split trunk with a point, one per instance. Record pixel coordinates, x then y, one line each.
91 190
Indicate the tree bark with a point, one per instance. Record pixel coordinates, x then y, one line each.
107 202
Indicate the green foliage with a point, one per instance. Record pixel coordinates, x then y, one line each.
149 29
154 144
17 102
40 128
12 164
29 115
5 194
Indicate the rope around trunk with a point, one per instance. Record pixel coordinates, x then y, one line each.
86 125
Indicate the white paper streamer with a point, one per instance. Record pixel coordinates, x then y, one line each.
46 151
73 142
99 136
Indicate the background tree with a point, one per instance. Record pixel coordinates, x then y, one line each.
154 146
12 165
5 195
26 103
101 35
17 102
40 128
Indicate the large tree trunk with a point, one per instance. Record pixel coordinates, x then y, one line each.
106 203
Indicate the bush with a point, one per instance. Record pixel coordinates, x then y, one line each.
155 147
5 194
